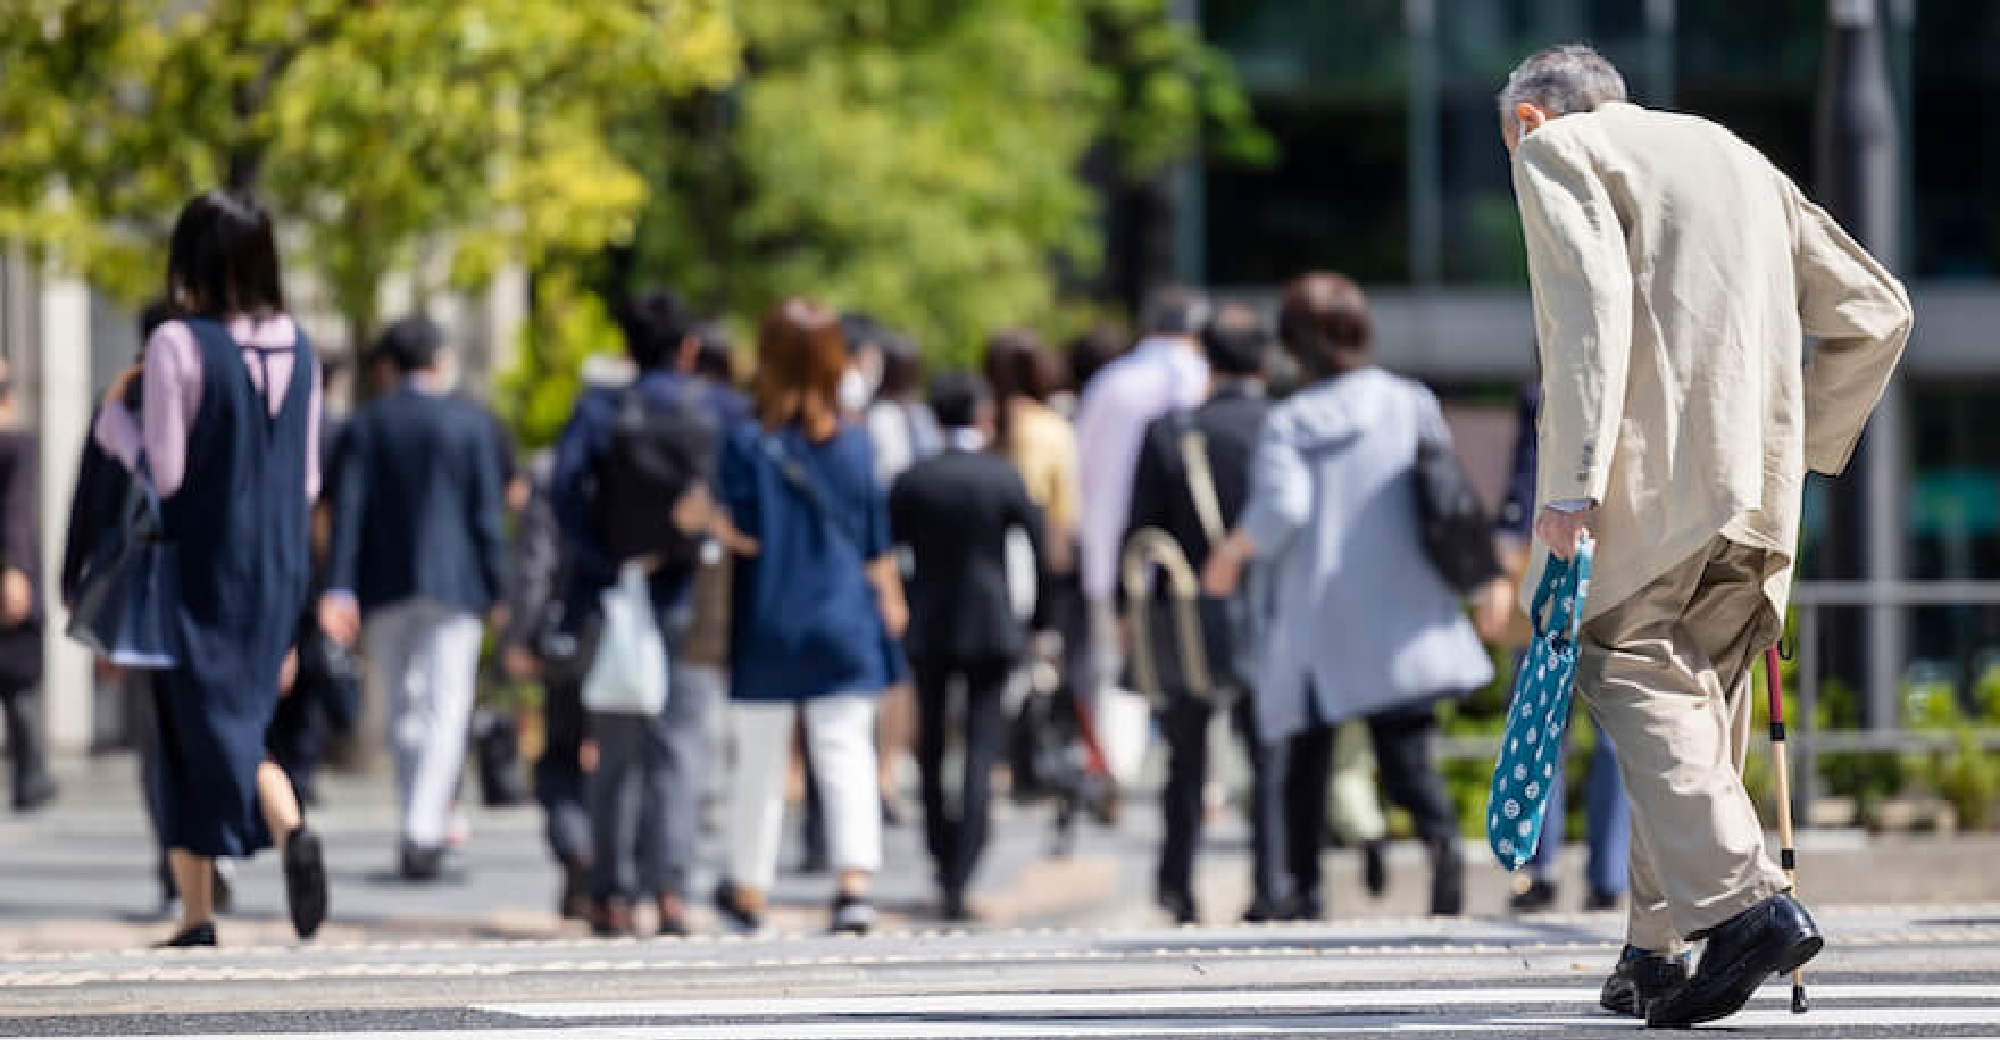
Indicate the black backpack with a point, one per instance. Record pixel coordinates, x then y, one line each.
658 452
1456 531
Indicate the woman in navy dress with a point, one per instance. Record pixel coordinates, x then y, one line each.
818 604
228 419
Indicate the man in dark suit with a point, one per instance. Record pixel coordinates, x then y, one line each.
20 607
954 512
418 551
1236 344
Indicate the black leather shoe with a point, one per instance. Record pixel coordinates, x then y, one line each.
1264 910
1304 906
1447 879
1179 905
1375 867
422 864
1772 938
199 936
1640 978
305 882
1600 901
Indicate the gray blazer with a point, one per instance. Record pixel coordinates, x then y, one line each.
1362 622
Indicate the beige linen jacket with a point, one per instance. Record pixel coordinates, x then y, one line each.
1676 276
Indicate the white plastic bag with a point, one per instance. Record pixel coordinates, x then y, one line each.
628 676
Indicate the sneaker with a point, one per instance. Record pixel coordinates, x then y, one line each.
305 882
852 915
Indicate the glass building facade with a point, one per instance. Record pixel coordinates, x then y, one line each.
1391 169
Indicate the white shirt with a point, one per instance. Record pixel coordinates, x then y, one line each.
1159 374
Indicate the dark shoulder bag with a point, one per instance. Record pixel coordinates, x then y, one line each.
127 594
1456 531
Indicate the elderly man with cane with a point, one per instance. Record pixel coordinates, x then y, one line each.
1676 274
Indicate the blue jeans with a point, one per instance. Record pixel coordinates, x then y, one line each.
1607 824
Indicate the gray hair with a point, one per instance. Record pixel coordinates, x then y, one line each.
1563 80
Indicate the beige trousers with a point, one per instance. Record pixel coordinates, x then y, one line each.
1667 674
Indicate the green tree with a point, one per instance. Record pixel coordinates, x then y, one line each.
924 160
380 131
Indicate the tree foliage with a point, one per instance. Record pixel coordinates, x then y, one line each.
377 130
921 159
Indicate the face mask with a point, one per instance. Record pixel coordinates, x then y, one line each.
854 393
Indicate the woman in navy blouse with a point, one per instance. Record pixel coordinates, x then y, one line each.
818 605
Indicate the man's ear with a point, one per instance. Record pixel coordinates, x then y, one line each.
690 351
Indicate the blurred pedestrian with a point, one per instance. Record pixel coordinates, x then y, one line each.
1167 496
632 485
1607 818
21 614
1365 626
818 604
1086 355
418 553
227 433
1675 272
1165 371
956 512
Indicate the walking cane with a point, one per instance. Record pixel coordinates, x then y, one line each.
1788 856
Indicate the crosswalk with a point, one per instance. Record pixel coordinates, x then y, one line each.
1858 1010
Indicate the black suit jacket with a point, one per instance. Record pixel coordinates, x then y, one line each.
1230 422
953 511
417 511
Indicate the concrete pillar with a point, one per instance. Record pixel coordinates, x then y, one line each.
63 413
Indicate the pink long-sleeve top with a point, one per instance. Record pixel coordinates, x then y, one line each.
170 398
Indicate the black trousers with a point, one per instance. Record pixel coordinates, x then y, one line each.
1184 723
1292 788
24 737
559 777
956 835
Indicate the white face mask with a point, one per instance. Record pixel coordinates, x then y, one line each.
854 392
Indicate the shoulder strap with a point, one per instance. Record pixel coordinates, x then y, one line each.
802 482
1201 480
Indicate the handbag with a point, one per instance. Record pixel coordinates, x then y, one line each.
1538 715
1453 524
628 672
128 592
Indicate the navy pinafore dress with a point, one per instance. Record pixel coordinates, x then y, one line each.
238 525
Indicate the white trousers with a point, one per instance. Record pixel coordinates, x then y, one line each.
423 659
840 735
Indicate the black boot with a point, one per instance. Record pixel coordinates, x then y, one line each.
1772 938
1640 978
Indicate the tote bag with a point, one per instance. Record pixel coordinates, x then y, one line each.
128 594
1539 713
628 675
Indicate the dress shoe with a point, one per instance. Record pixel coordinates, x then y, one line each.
952 908
1538 898
612 918
1774 937
1179 905
1600 901
195 936
421 864
1264 910
35 793
672 921
573 902
1640 978
1375 867
1447 879
1304 906
305 882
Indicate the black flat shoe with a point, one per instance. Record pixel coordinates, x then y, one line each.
1538 898
1598 902
1772 938
305 882
1447 879
1375 867
200 936
421 864
1304 907
1640 978
729 903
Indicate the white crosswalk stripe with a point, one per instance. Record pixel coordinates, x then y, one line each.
1853 1011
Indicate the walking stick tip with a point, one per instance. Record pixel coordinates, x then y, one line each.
1799 1003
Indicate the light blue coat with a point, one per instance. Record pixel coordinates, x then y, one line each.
1361 620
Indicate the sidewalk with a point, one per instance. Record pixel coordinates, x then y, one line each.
78 876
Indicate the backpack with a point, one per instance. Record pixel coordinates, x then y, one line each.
658 452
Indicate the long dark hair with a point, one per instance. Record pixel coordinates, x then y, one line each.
800 359
223 258
1017 365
